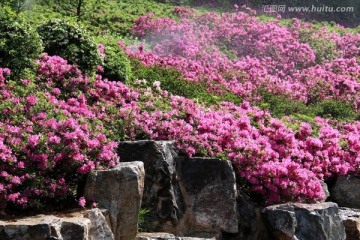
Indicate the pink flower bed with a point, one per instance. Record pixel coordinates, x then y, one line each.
64 125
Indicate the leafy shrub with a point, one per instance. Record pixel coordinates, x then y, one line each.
280 106
116 63
19 43
71 42
335 109
325 49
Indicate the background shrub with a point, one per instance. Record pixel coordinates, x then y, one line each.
117 65
71 42
336 109
19 43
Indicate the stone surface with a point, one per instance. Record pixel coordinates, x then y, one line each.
208 187
251 224
156 236
166 236
319 221
82 225
351 220
345 192
161 191
325 190
120 191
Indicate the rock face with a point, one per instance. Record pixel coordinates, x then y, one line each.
351 220
161 191
209 191
345 193
120 191
84 225
305 221
251 224
186 196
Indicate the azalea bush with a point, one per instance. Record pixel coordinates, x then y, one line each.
51 132
281 160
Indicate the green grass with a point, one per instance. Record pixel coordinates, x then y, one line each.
281 106
173 81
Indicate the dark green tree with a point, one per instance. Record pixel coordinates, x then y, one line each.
19 43
16 5
77 8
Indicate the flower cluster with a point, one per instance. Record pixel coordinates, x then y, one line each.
51 133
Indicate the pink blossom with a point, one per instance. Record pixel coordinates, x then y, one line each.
82 202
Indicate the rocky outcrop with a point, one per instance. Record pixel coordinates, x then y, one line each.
208 187
305 221
120 191
351 220
345 192
82 225
161 191
193 196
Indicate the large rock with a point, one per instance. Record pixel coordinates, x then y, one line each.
83 225
208 187
345 192
161 192
298 221
120 191
351 220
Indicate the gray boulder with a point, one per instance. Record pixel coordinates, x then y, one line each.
162 196
208 187
298 221
81 225
120 191
351 220
345 192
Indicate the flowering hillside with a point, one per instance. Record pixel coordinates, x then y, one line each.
236 51
57 124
